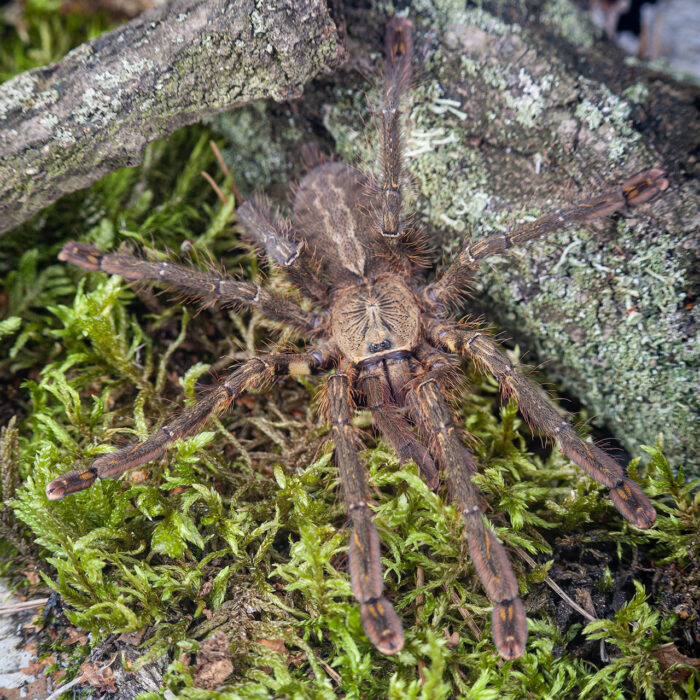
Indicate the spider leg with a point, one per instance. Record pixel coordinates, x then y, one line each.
380 621
209 287
399 49
250 375
632 193
392 425
434 416
534 404
276 235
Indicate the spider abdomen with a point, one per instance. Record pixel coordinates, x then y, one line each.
335 211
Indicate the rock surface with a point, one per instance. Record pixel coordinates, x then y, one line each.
16 680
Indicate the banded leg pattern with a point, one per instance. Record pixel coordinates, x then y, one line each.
276 235
434 416
251 375
208 287
379 620
399 49
637 190
626 495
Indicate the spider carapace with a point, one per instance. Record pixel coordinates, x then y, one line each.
380 337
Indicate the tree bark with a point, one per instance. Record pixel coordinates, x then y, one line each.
64 126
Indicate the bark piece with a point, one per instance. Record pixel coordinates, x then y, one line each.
67 125
213 662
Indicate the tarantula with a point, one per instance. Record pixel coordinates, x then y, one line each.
382 338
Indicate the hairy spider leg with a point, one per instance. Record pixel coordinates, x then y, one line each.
380 621
632 193
539 411
434 417
210 288
399 50
374 384
252 374
276 235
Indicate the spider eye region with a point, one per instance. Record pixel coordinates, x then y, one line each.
379 347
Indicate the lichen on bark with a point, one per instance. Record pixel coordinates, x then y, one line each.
66 125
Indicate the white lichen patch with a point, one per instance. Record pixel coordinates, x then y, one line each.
531 103
96 109
136 69
616 110
573 24
256 19
616 148
588 113
608 115
637 93
524 95
442 105
65 137
108 80
468 208
487 73
452 12
17 93
41 127
14 657
48 121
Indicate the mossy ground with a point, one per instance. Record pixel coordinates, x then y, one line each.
241 529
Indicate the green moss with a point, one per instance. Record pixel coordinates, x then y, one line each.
241 529
213 525
44 34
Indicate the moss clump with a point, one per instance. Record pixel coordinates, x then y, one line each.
240 530
43 34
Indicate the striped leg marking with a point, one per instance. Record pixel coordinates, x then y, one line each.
380 621
537 408
490 559
252 374
207 287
